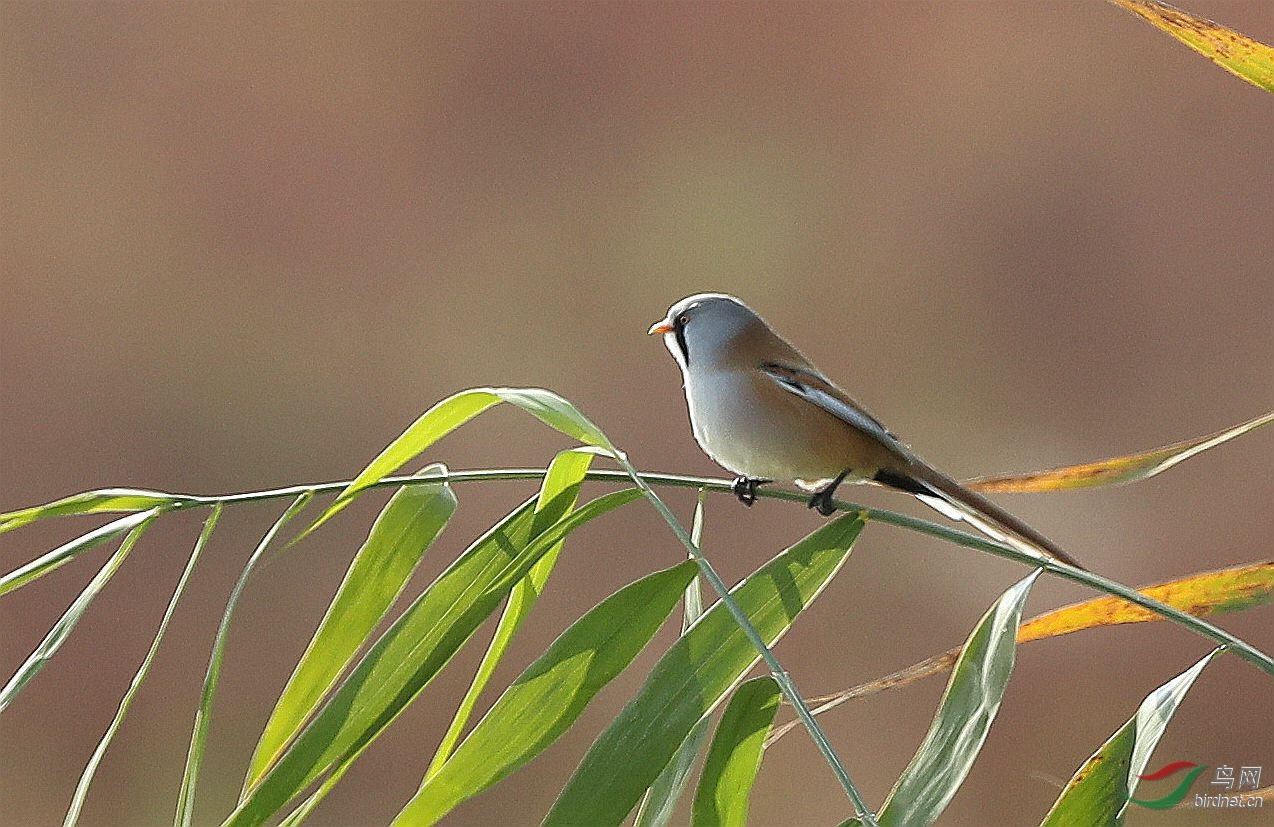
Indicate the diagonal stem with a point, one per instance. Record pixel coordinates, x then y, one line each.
780 674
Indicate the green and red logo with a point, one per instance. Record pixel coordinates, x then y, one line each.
1173 798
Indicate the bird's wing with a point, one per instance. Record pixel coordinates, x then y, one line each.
913 474
815 389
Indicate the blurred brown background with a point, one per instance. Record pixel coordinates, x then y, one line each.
244 245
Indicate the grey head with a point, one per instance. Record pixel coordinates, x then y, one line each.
710 329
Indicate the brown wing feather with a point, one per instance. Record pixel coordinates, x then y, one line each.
910 473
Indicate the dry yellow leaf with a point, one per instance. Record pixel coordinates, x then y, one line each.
1203 594
1236 53
1226 590
1114 471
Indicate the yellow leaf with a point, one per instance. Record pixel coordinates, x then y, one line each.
1114 471
1236 53
1203 594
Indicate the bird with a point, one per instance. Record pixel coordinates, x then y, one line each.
760 409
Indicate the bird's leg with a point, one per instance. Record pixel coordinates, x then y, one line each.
822 500
745 489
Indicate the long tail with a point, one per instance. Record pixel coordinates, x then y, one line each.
952 499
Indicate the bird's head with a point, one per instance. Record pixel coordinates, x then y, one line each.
706 328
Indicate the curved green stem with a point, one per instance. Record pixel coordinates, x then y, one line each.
643 482
1087 578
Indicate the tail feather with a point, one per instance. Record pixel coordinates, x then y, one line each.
956 502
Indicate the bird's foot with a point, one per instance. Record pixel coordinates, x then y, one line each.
823 501
745 489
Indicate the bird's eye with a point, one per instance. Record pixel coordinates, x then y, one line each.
682 319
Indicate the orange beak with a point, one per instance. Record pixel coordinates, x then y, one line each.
659 327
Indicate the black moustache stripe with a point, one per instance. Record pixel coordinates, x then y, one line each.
679 331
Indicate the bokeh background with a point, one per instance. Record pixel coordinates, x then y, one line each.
245 244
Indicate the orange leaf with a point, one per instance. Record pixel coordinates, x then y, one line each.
1115 471
1236 53
1203 594
1210 592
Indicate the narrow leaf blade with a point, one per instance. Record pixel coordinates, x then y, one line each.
67 622
1236 53
203 715
558 492
451 413
546 699
735 755
105 501
694 676
1203 594
1098 793
660 801
556 412
964 716
1114 471
67 552
90 769
405 529
429 427
412 652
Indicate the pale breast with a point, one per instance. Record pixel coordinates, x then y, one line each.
752 427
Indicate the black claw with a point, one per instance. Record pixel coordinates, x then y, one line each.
745 489
823 501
